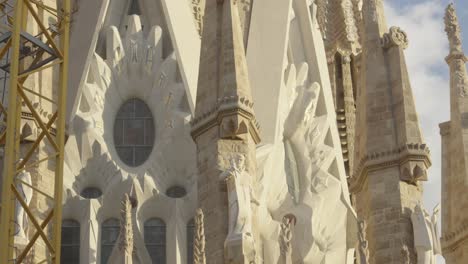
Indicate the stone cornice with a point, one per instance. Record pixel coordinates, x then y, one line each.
456 56
444 128
416 152
451 241
227 106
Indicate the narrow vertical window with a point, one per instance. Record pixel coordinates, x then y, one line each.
70 242
109 235
155 240
190 237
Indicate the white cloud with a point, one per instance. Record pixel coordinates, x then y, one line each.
423 22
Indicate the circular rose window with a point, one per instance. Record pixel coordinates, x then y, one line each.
134 132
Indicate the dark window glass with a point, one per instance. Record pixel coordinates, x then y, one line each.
176 192
91 193
190 238
70 242
109 235
155 240
134 132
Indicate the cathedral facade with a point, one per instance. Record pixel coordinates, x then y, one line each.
250 131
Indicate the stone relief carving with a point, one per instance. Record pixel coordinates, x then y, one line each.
461 78
350 21
239 192
126 229
406 254
426 235
322 15
26 193
452 27
198 14
89 152
199 239
285 241
395 37
363 243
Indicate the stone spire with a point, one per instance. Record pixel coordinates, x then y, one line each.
223 66
454 135
390 155
224 128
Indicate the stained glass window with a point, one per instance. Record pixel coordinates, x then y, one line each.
134 132
109 235
190 237
155 240
70 242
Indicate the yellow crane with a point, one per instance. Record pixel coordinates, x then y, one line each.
29 46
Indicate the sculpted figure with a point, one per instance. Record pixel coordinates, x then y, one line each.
363 244
426 239
26 193
240 211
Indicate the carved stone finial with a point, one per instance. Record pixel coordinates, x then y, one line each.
285 240
395 37
126 229
452 27
199 239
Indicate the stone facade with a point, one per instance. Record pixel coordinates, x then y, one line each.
284 131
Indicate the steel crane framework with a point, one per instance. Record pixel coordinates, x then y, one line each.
24 54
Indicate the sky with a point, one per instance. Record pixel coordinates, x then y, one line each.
423 21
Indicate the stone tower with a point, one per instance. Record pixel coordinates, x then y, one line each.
455 151
390 155
224 128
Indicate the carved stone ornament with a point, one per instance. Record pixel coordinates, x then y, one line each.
322 14
350 21
405 254
126 228
285 240
461 83
199 239
363 243
452 27
198 15
395 37
20 218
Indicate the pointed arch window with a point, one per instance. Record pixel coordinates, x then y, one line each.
155 240
109 235
190 240
70 242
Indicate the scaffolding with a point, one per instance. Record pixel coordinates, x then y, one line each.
24 53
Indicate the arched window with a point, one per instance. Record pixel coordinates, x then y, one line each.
70 242
134 132
109 235
190 237
155 240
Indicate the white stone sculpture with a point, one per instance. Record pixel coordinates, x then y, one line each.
285 241
199 239
240 211
426 237
20 219
406 254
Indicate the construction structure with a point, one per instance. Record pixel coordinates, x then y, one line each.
32 48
